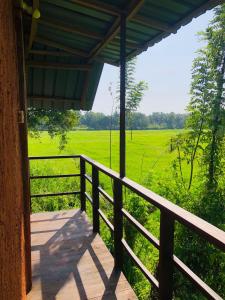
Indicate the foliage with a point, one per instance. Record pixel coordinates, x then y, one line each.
134 92
203 145
57 123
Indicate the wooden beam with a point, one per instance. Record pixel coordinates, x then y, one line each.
68 28
99 6
57 45
65 54
131 45
44 98
33 30
60 66
114 11
147 22
54 102
114 29
50 53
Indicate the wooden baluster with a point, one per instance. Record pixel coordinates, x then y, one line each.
166 256
118 223
82 184
95 198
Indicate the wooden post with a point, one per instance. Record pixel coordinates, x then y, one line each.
122 96
166 256
95 197
24 146
118 224
12 232
82 184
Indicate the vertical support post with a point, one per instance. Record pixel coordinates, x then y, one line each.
122 95
24 145
82 184
95 198
118 223
166 256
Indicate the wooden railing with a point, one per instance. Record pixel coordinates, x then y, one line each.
169 213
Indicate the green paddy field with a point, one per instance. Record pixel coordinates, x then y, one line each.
149 151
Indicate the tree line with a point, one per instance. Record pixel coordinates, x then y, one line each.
140 121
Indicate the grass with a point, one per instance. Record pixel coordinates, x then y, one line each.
147 152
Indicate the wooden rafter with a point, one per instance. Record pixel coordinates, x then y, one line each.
114 29
41 98
50 53
71 29
114 11
152 23
99 6
57 45
54 102
58 66
33 30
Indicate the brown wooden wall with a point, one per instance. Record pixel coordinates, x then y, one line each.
12 244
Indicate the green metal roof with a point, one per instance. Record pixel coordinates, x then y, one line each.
72 39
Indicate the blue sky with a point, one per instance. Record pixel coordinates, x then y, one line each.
167 69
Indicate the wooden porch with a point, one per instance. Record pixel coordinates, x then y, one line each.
69 261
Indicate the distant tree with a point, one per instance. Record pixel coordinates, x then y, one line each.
140 121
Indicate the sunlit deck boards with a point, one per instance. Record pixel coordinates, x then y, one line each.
70 262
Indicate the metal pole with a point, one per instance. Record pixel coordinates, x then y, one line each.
122 95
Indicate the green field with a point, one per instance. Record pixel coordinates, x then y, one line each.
147 152
148 160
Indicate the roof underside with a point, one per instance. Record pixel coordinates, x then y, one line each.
68 45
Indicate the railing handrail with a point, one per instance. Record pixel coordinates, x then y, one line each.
213 234
170 213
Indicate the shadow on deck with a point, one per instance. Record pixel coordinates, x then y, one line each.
70 262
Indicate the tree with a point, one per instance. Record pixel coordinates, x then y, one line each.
134 92
57 123
204 144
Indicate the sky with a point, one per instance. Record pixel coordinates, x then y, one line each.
166 67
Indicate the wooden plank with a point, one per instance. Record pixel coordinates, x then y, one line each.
100 6
140 265
58 66
54 194
201 285
68 28
57 45
70 262
141 229
50 53
54 176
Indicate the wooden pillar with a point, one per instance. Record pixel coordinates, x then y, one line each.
122 96
24 144
12 240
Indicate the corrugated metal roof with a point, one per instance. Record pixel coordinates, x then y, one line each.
72 34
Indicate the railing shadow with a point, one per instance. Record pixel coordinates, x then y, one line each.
60 257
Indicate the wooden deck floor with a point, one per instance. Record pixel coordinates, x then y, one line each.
70 262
